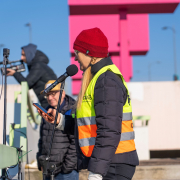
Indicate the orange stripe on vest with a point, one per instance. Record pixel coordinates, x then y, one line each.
87 131
125 146
87 150
127 126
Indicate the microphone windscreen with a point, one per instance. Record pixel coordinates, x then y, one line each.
72 70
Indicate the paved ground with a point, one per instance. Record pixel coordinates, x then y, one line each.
154 169
154 162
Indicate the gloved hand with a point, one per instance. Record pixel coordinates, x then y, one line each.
93 176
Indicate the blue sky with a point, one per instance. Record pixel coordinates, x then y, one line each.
49 21
161 49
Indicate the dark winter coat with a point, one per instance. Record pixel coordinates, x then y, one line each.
110 95
63 152
39 72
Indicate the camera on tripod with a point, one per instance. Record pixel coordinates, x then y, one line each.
17 67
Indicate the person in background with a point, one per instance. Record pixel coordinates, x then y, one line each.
39 71
103 124
63 152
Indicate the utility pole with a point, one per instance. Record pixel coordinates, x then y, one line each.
30 31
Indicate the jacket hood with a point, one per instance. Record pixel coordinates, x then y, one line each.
30 51
40 57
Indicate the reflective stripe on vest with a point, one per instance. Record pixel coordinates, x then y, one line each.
127 116
91 141
86 119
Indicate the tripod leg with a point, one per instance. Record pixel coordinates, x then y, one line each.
52 177
44 177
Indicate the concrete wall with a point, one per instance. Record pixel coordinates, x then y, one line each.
161 101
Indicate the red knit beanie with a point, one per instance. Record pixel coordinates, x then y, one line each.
92 42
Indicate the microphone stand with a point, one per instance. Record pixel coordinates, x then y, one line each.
46 166
5 61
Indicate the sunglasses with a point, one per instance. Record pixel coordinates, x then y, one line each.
51 94
76 52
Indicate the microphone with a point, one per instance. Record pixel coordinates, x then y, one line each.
70 71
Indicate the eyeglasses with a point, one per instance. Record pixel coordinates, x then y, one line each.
51 94
76 52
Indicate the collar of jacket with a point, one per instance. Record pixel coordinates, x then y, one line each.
70 104
103 62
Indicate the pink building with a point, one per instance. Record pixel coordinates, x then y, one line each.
125 23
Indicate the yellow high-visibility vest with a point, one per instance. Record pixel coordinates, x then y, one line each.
86 119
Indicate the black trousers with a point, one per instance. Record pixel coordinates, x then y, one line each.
120 172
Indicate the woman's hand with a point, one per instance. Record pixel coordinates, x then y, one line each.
11 72
52 113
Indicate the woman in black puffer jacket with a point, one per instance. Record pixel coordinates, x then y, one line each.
103 125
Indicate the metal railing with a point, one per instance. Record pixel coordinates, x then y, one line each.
144 120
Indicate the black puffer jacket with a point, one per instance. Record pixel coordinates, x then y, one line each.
110 95
39 72
63 152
